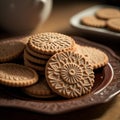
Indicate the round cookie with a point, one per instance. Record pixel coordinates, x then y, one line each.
34 59
15 75
34 66
49 43
96 57
10 50
40 89
114 24
108 13
93 22
69 74
38 55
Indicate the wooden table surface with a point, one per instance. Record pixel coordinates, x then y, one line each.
59 22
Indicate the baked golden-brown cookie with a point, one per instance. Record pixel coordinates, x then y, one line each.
108 13
40 89
38 55
34 66
50 43
93 22
96 57
34 59
114 24
10 50
15 75
69 74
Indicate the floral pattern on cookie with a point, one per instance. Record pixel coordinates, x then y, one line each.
50 43
69 74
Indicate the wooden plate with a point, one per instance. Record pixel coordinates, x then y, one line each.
107 85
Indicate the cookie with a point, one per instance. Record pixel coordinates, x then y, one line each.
10 50
108 13
96 57
93 22
34 66
38 55
69 74
50 43
114 24
15 75
40 89
34 59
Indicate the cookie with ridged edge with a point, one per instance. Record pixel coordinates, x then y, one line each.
38 55
40 89
15 75
114 24
10 50
69 74
108 13
50 43
96 57
93 22
34 59
37 67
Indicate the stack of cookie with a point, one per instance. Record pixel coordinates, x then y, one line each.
68 67
41 47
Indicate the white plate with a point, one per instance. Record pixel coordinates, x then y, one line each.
103 32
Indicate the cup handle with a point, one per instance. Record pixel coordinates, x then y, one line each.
42 2
46 8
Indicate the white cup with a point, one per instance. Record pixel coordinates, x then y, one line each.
19 16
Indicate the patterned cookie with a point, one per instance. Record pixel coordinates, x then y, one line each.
96 57
38 55
50 43
10 50
33 65
69 74
17 75
40 89
34 59
114 24
93 22
108 13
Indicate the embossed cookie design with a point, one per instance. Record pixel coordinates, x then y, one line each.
69 74
96 57
50 43
15 75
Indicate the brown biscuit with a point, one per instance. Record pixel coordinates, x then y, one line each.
69 74
10 50
17 75
38 55
114 24
50 43
93 22
34 66
34 59
96 57
40 89
108 13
